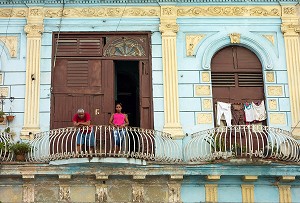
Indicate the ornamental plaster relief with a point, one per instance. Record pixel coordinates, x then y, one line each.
28 193
290 29
206 104
272 104
13 13
101 193
191 43
235 38
247 193
275 91
4 91
229 11
204 118
174 192
137 193
11 43
103 12
34 30
205 77
211 193
270 38
277 118
202 90
64 193
270 76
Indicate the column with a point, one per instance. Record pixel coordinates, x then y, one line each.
168 29
290 28
34 30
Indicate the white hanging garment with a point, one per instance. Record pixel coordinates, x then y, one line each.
224 109
249 112
260 113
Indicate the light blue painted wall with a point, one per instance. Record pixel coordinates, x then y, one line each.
216 30
189 68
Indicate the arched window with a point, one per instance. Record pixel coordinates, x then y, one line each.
237 77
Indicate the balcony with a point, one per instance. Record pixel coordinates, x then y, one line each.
136 145
242 141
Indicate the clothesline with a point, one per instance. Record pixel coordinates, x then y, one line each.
251 112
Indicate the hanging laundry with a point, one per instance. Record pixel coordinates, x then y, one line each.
249 112
238 114
260 113
224 109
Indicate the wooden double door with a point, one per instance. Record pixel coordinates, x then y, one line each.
83 76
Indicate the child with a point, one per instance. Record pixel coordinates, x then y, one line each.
119 121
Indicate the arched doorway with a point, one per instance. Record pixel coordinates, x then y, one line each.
237 77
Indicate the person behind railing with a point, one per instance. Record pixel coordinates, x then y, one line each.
85 134
119 120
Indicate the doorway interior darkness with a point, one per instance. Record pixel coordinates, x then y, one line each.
127 89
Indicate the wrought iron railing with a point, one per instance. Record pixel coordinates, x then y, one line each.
242 141
5 140
104 141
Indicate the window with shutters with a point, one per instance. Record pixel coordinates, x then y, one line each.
237 77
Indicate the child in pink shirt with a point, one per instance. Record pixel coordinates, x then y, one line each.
119 121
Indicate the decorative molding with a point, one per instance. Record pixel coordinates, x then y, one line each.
235 38
28 193
1 79
249 178
270 76
275 90
169 29
34 30
211 192
270 38
13 13
174 192
229 11
204 118
191 43
247 193
213 177
139 177
95 12
137 193
206 104
28 176
11 43
101 193
278 118
124 47
272 104
64 193
4 91
65 176
289 10
35 11
205 76
287 178
101 177
202 90
176 177
117 2
290 29
168 11
285 193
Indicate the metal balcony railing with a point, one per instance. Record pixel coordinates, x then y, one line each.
104 141
242 141
5 140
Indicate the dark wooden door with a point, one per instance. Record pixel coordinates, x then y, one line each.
82 83
146 112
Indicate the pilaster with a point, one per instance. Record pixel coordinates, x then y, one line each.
168 29
290 28
248 193
211 192
34 30
284 193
